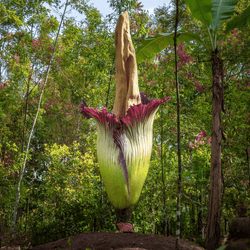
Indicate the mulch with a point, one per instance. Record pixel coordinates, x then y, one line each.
115 241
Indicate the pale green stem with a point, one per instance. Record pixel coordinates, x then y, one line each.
211 39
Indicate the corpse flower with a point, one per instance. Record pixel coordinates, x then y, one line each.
124 142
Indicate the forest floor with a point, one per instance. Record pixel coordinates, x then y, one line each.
117 241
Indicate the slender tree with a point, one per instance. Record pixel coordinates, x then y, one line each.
213 227
18 194
178 212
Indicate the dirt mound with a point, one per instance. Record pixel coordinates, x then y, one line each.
115 241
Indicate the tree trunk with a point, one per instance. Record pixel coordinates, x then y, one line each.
248 163
178 212
168 228
192 221
199 219
213 226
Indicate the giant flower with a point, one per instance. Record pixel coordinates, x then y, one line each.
124 142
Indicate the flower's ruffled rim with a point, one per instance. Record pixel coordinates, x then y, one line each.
135 114
140 112
102 116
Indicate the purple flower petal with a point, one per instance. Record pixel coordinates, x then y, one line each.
102 116
144 98
140 112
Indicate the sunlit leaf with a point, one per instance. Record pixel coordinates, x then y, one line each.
222 10
155 44
201 10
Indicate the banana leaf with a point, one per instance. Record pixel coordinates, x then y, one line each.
155 44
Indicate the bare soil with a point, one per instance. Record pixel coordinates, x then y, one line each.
117 241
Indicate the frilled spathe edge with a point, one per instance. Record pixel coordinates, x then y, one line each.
136 113
140 112
102 116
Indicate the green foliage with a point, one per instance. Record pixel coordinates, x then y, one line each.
121 6
221 11
239 21
212 14
7 14
155 44
69 194
201 10
69 242
62 193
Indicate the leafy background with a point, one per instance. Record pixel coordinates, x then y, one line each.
62 193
